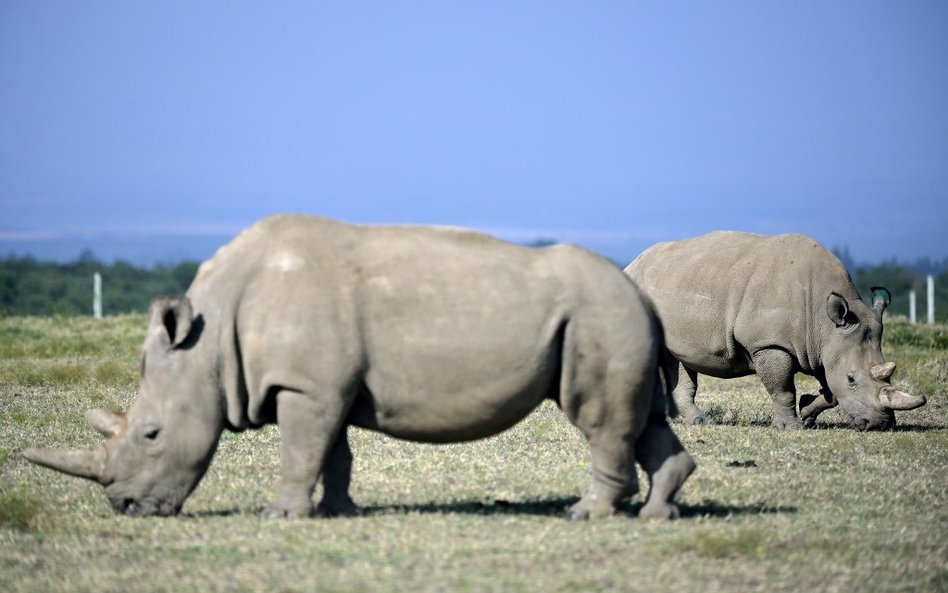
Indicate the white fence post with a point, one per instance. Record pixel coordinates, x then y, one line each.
97 295
912 306
931 299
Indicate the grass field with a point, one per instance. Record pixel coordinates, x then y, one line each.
828 509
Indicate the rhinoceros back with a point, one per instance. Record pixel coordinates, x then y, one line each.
450 334
724 295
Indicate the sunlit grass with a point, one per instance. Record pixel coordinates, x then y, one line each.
826 510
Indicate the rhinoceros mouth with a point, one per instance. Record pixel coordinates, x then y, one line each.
131 507
862 417
874 422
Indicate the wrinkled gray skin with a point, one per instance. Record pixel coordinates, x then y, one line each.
427 334
733 304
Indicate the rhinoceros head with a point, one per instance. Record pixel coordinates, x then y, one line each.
856 372
156 453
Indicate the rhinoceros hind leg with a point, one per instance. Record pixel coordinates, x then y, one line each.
683 385
337 474
605 492
609 431
775 367
667 464
278 511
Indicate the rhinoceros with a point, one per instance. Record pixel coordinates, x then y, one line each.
734 304
423 333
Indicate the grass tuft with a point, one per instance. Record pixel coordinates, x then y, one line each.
113 372
748 542
20 511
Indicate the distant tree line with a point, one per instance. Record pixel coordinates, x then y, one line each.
30 287
900 281
901 278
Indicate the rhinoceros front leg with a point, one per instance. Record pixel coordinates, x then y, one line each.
812 406
308 429
775 368
337 474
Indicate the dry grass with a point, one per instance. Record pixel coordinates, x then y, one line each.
825 510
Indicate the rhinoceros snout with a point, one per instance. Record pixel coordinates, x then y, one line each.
874 423
135 508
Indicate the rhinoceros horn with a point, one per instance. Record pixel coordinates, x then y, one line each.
881 298
82 463
890 397
882 371
897 400
107 423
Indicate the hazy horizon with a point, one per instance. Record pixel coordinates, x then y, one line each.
154 248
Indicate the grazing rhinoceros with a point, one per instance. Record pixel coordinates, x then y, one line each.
733 304
426 334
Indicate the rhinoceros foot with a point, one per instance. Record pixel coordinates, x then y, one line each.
590 508
280 511
336 507
659 510
787 421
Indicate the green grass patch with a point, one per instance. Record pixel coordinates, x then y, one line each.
113 372
64 337
899 332
30 418
19 510
746 542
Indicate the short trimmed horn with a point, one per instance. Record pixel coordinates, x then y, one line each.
897 400
882 371
82 463
880 299
107 423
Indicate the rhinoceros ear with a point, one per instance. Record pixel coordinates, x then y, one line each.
880 299
107 423
837 307
172 318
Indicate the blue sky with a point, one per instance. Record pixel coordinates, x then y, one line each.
153 131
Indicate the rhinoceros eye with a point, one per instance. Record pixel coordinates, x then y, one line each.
152 434
851 378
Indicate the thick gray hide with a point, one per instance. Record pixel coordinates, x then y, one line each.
733 304
428 334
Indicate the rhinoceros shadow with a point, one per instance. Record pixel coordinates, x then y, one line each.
552 507
556 507
820 425
897 428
